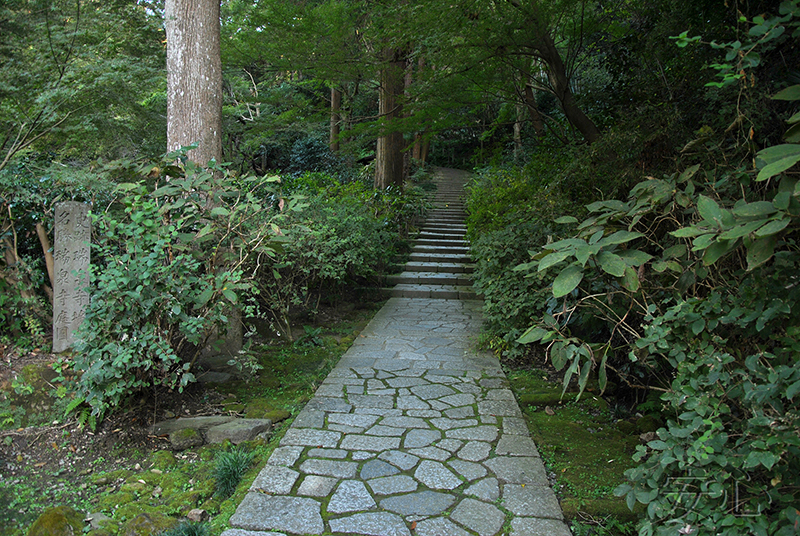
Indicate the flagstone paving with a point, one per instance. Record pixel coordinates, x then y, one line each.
414 433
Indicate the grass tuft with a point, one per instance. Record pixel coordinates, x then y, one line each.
229 469
189 529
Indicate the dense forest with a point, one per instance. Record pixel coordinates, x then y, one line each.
634 212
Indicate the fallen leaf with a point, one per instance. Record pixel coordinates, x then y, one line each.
413 525
549 410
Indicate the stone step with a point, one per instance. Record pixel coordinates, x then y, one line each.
441 292
454 237
438 257
447 267
440 240
429 278
446 250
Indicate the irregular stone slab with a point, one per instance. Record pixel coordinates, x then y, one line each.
371 443
487 490
422 503
237 430
499 408
297 515
306 437
460 413
330 389
449 424
391 485
516 445
371 524
376 469
485 519
470 388
521 470
275 479
186 438
431 453
500 394
532 526
438 526
355 420
197 423
411 402
351 496
285 456
354 390
405 422
371 401
477 433
469 470
309 418
429 392
406 382
493 383
329 468
361 455
328 404
381 430
317 486
458 400
450 445
403 460
475 451
336 454
436 476
421 438
535 501
515 426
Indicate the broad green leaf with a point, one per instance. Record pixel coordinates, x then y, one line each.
630 280
678 250
760 252
778 152
660 266
794 119
698 326
229 295
781 200
755 209
567 281
566 219
793 134
688 232
558 356
702 242
620 237
791 93
716 250
126 186
741 230
220 211
583 253
584 377
532 334
709 210
779 166
773 227
611 263
553 258
792 390
602 377
634 257
204 297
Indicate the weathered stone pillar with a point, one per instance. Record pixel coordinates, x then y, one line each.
71 252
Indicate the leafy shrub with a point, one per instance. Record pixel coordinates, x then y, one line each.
229 469
166 271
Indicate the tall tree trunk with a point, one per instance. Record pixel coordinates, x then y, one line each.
389 151
194 78
533 110
518 132
336 106
560 82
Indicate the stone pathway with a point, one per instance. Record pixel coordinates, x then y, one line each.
412 434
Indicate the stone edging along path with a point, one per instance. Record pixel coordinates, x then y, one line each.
414 433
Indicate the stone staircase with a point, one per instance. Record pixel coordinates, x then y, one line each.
439 265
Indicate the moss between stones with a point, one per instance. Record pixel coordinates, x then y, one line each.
109 503
162 460
258 408
58 521
627 427
546 398
648 423
277 415
599 508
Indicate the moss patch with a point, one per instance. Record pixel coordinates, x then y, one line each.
58 521
580 443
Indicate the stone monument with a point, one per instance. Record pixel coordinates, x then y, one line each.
71 255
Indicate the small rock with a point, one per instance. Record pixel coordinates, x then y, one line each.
647 437
168 414
197 515
185 438
58 521
97 520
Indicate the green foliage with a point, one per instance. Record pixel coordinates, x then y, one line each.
168 264
189 528
229 468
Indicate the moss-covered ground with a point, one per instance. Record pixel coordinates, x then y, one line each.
586 450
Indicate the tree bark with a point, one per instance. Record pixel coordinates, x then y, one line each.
336 107
533 110
389 151
194 78
560 81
